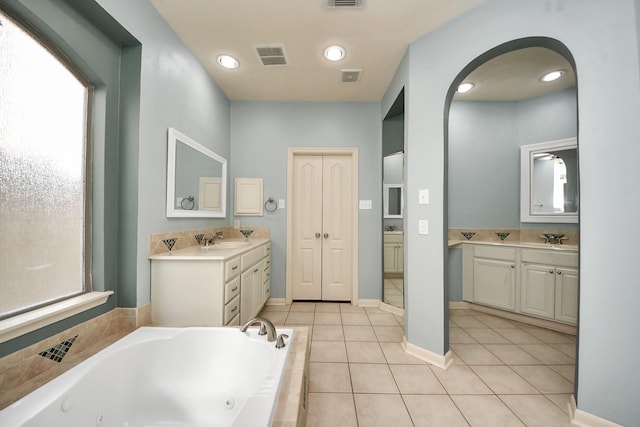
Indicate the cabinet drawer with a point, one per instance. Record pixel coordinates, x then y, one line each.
267 250
266 274
231 269
252 257
496 252
232 309
267 290
556 258
231 289
393 237
234 322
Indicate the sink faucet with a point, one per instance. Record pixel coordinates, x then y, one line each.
266 327
212 240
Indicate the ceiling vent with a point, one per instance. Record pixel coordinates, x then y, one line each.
271 55
350 76
344 4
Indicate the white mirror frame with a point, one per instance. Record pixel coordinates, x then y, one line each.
173 137
385 200
526 168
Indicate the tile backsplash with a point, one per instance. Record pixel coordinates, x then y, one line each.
161 242
521 235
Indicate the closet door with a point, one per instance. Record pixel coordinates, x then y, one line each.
336 228
322 220
307 227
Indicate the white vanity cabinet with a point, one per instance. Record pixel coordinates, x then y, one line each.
536 282
494 277
195 292
393 252
195 287
252 294
549 285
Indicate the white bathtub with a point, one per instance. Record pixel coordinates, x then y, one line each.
163 377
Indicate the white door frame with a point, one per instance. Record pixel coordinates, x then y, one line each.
352 152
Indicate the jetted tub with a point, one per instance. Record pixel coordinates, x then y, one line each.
164 377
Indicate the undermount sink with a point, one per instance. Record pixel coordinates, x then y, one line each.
226 245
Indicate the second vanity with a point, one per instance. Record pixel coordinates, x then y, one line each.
227 283
529 279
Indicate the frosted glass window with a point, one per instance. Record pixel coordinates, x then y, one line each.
43 137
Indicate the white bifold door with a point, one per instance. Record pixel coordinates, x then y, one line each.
322 209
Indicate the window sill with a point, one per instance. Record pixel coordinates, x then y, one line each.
36 319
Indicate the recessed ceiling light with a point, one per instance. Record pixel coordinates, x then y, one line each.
334 53
553 75
465 87
228 62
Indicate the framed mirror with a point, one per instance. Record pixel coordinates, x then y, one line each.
196 179
549 182
392 200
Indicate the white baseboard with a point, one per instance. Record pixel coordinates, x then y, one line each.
391 309
442 362
585 419
276 301
368 303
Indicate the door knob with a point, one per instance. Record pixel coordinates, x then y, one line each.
326 235
317 235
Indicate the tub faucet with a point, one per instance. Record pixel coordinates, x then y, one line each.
266 327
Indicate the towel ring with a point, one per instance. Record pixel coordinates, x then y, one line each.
270 205
188 200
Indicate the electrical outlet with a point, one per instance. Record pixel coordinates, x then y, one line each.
423 197
423 226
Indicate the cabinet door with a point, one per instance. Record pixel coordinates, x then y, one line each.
389 256
400 258
567 295
537 290
246 295
494 283
257 291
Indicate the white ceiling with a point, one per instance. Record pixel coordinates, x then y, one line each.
374 36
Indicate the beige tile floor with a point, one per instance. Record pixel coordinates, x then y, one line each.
394 290
505 373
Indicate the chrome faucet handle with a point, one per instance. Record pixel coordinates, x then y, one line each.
263 329
280 341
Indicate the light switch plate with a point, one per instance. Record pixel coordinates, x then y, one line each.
281 204
423 226
365 204
423 196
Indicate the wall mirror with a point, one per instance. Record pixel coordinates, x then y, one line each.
196 179
392 200
549 182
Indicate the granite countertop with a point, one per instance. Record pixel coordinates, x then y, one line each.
518 244
219 251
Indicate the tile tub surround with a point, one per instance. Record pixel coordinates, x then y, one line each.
516 235
186 238
505 373
26 370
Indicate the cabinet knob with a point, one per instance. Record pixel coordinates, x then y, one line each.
559 272
234 289
318 235
326 235
234 308
512 266
235 268
550 271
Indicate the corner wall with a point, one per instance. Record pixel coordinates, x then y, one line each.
602 37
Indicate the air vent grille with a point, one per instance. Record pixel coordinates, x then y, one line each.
350 76
271 56
336 4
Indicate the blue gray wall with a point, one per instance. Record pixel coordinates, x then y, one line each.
484 155
602 37
176 91
262 132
